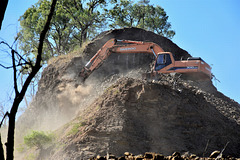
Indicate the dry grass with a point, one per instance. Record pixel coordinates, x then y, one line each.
67 57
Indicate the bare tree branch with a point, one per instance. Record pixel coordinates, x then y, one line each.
19 95
5 66
6 114
25 98
15 74
20 57
18 65
3 8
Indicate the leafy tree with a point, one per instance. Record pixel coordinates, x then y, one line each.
73 22
85 16
144 1
120 15
126 13
38 139
58 36
157 21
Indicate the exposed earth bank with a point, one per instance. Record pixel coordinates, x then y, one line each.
138 116
116 111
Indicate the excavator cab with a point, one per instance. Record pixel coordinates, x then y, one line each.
193 68
162 61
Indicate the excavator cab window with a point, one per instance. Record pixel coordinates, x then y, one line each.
162 61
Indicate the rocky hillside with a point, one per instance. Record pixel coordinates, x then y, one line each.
116 111
138 116
57 87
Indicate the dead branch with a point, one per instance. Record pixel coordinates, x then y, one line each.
19 56
14 74
5 115
221 153
205 150
19 95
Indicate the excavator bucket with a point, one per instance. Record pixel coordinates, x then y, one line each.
83 75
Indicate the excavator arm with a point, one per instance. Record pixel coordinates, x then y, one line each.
164 61
118 46
97 60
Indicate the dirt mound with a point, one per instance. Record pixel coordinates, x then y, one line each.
138 116
123 63
131 115
137 34
57 95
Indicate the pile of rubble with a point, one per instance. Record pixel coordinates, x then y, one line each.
157 156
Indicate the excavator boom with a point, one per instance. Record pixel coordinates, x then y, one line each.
123 47
164 62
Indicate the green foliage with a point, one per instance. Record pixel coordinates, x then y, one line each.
126 13
72 24
32 23
75 128
38 139
76 21
20 148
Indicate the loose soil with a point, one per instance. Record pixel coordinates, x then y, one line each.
117 111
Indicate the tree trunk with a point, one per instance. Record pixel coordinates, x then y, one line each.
10 139
3 8
19 95
1 148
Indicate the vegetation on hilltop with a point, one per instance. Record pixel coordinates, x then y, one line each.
75 22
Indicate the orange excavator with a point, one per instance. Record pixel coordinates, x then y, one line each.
164 61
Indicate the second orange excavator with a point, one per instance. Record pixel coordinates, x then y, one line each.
164 61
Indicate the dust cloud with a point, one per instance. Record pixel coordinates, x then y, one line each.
73 95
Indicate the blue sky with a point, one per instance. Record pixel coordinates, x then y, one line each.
10 26
205 28
210 29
